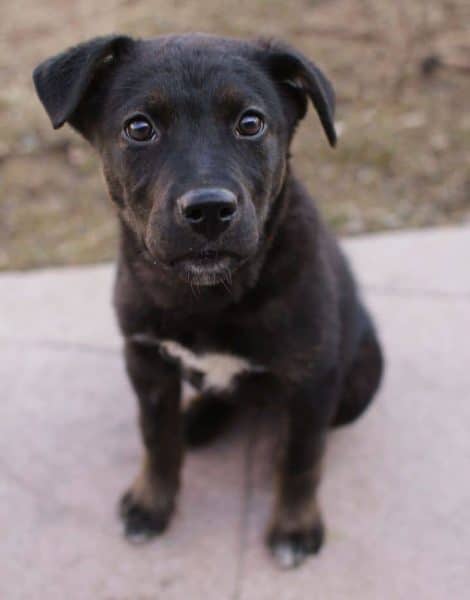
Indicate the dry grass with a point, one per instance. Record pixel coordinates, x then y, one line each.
403 155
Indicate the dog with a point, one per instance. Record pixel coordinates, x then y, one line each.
227 275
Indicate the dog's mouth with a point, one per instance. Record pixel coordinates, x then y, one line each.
206 268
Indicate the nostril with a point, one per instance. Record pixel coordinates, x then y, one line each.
194 214
226 212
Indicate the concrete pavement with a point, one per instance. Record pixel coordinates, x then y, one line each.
396 489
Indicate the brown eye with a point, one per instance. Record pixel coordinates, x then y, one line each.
140 129
250 124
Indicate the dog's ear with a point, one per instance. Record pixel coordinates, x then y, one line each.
301 79
63 81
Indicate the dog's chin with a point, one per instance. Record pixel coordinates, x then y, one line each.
206 270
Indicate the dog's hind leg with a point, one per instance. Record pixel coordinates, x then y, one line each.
361 381
207 417
213 412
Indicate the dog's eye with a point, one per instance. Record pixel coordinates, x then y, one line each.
250 124
140 129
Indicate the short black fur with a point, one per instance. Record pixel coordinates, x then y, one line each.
270 285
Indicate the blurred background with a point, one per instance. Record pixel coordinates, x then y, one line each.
401 71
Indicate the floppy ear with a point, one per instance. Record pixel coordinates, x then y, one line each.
290 68
63 81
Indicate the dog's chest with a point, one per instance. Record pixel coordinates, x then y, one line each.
205 370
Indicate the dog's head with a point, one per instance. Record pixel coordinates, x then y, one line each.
193 132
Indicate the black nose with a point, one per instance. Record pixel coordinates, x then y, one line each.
209 211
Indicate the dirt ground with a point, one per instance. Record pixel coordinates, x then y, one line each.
401 71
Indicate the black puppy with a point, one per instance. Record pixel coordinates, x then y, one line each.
227 275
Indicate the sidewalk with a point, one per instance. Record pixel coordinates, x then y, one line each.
396 489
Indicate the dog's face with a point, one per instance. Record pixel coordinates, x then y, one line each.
193 132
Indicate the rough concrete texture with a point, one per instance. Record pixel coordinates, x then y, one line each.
396 488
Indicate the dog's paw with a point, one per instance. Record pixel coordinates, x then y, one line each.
290 549
140 523
205 419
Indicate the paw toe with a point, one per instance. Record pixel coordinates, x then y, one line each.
140 524
291 549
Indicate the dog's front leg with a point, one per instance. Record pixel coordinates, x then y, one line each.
297 529
147 507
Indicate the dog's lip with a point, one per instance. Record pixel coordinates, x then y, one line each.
205 257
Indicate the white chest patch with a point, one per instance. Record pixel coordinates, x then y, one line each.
218 370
